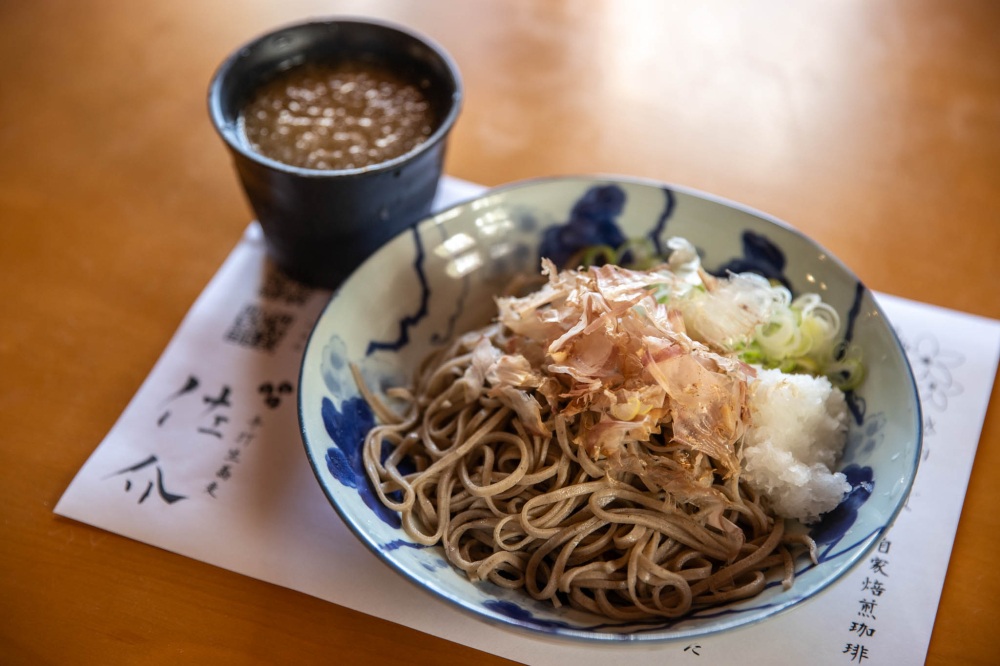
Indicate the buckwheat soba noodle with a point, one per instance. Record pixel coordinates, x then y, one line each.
605 443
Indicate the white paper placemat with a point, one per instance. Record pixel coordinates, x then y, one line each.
206 461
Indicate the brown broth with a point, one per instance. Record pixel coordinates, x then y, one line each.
337 116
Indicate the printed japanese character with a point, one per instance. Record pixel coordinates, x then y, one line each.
221 401
879 565
244 437
190 385
164 494
214 428
862 629
875 586
272 394
857 651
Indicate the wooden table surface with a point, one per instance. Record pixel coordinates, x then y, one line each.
872 126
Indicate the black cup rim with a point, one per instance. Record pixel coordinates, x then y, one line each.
230 133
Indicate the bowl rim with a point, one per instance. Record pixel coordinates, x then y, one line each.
657 634
229 132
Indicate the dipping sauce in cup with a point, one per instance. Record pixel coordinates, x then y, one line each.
337 129
337 116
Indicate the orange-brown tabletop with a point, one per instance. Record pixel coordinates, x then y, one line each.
872 127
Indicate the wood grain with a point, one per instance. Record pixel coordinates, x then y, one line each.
872 126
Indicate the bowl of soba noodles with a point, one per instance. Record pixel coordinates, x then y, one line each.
610 409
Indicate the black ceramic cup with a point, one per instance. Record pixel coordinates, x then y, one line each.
321 224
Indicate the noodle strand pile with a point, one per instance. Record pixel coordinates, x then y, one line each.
586 449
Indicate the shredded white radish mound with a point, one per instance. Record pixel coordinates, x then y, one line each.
797 434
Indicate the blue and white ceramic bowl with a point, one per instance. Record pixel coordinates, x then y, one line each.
436 281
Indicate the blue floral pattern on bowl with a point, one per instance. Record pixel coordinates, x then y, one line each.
437 280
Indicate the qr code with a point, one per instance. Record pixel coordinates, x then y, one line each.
258 328
279 287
